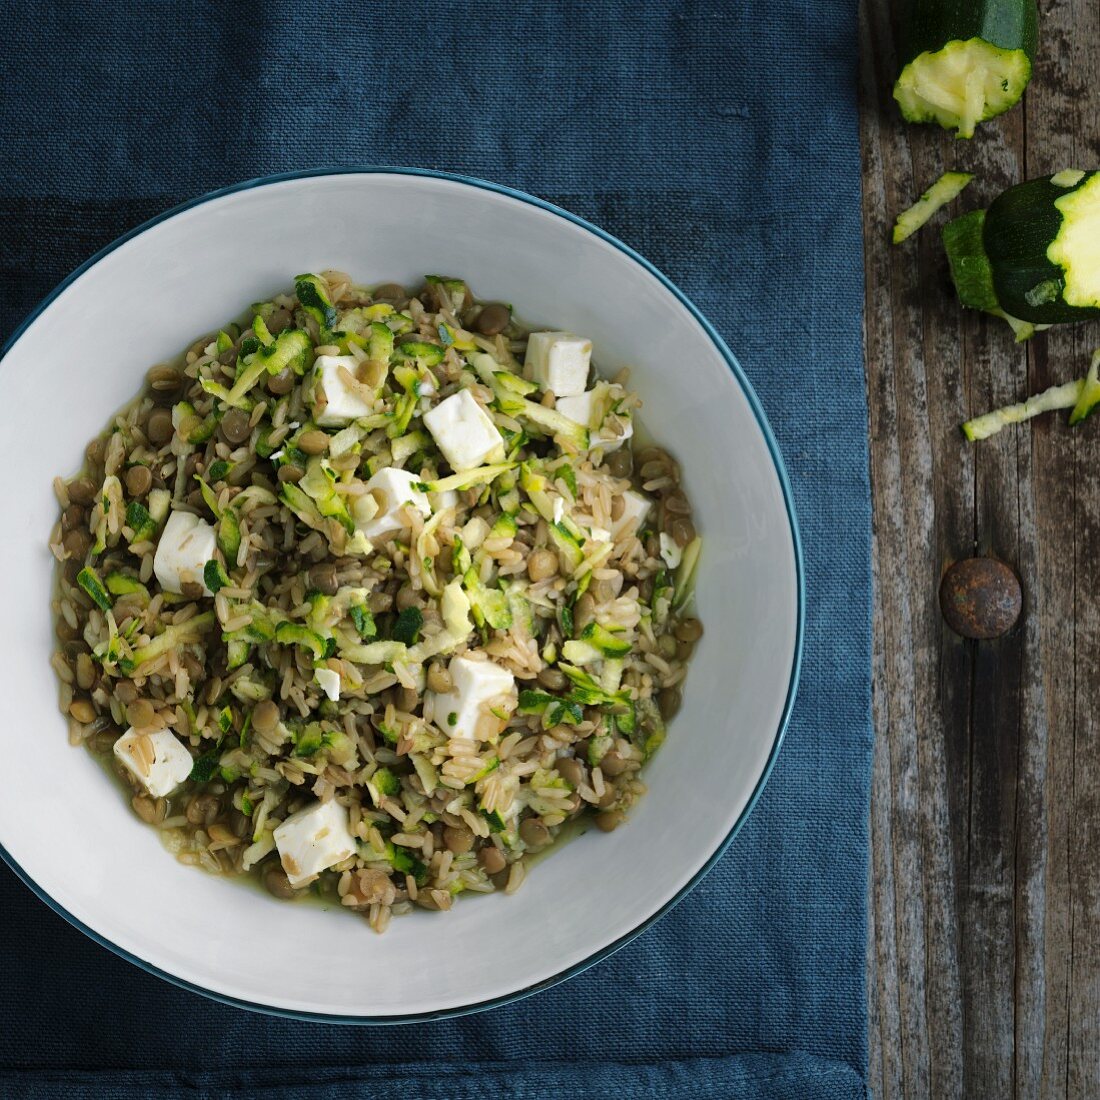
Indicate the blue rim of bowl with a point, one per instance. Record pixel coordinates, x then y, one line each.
796 540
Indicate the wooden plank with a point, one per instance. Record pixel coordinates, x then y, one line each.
1066 130
900 1056
921 1008
984 959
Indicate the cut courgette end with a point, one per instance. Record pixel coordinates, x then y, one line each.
970 267
946 189
990 423
1090 393
1076 248
962 84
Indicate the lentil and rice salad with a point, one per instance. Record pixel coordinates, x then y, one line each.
372 595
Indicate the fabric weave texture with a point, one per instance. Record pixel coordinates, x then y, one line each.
719 139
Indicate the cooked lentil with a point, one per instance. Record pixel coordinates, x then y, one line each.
493 319
138 481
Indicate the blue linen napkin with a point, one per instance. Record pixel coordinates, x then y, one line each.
720 140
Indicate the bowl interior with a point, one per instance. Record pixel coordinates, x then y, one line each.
69 828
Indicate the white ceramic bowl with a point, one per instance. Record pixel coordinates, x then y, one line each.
66 829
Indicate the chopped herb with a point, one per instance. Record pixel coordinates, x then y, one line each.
407 864
206 766
219 470
554 711
407 627
314 298
249 346
215 576
140 521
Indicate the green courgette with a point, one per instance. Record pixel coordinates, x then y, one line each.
1082 396
1034 254
89 580
140 522
118 584
313 296
965 61
1057 397
1090 393
947 188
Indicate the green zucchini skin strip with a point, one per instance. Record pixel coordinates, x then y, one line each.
971 271
946 189
999 258
1065 396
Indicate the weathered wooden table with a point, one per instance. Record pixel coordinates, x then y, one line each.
984 957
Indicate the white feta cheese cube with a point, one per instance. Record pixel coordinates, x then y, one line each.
392 489
186 544
447 499
558 362
328 681
464 433
343 404
160 760
464 711
312 840
584 409
670 551
580 407
635 509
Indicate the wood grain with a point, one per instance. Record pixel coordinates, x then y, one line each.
984 957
